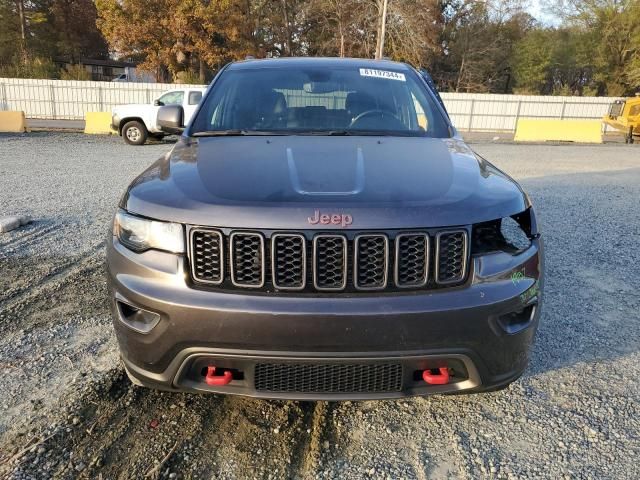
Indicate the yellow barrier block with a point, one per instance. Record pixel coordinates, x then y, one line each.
542 130
13 122
97 123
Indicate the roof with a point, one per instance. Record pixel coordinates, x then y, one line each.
328 62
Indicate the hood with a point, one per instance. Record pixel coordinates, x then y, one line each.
274 182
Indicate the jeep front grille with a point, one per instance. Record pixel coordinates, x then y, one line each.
247 259
412 260
329 262
310 262
328 377
451 253
288 261
207 252
371 259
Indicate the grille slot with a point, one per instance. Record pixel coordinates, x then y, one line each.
207 252
247 259
288 261
451 256
412 260
328 377
371 253
330 262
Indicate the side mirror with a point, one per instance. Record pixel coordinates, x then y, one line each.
158 103
171 119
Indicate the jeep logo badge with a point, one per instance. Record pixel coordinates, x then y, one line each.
330 219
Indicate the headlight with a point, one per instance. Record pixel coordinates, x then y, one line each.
509 234
140 234
513 234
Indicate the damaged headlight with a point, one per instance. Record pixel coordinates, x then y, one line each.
141 234
509 234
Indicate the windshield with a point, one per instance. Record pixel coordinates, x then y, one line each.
312 100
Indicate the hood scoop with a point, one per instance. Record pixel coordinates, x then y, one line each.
314 174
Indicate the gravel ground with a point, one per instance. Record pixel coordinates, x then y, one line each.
67 411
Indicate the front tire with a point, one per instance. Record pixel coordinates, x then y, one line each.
629 137
133 379
135 133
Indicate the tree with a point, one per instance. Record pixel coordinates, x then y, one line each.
555 62
196 33
479 40
343 28
139 29
77 34
349 28
414 30
45 29
532 65
633 69
469 45
614 29
27 30
75 72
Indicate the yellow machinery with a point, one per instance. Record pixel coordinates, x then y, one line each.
624 115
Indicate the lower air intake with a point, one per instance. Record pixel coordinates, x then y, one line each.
328 377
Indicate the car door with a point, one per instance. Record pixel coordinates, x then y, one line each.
191 101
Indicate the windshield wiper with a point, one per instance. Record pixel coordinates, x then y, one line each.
219 133
336 133
368 133
234 133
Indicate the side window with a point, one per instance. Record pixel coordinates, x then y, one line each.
194 98
172 98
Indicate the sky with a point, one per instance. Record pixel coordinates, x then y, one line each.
537 10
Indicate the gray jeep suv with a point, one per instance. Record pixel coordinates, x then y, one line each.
321 231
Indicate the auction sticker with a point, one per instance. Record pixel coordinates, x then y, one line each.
370 72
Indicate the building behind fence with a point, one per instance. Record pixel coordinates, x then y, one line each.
70 100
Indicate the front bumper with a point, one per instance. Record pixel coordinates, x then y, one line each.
115 123
472 329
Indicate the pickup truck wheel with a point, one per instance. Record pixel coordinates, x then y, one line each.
134 133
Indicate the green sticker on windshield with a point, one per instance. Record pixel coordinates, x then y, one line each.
370 72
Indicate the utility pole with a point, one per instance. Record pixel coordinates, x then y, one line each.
287 29
23 36
382 25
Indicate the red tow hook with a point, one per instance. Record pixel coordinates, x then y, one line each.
436 376
217 380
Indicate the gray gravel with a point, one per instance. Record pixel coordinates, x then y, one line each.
66 409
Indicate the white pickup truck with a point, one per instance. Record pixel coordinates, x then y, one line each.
137 122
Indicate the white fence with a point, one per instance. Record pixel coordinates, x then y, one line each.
70 100
493 112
